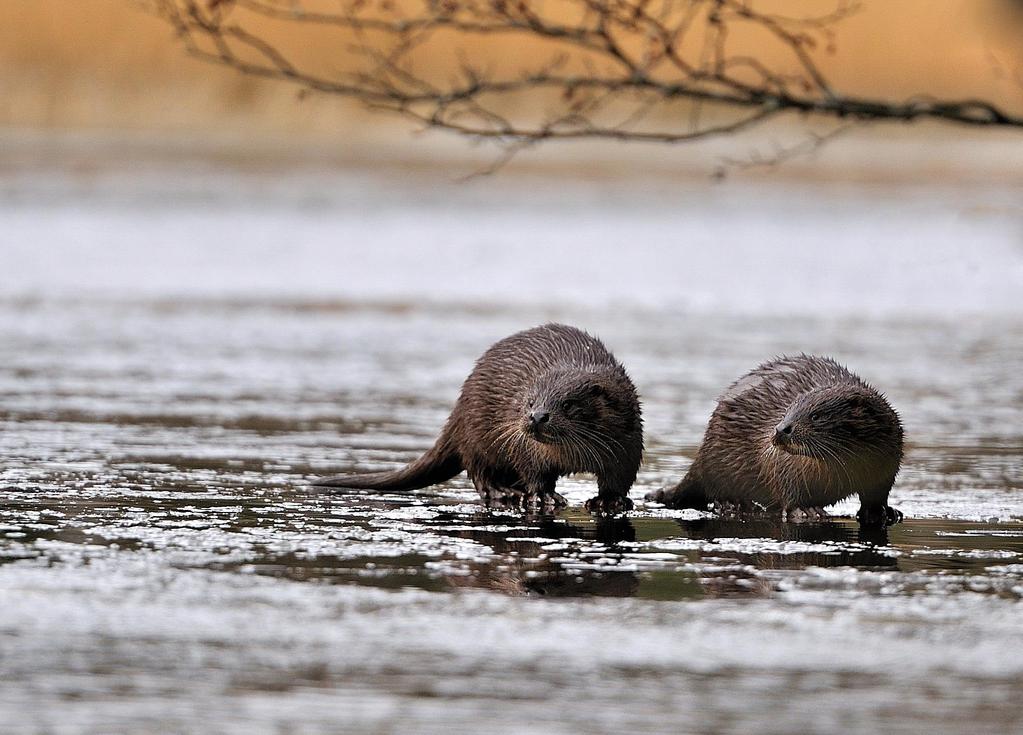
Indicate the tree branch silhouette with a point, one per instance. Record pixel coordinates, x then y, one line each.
665 71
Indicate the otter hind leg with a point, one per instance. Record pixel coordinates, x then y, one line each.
514 494
542 496
689 493
497 492
805 513
497 497
733 508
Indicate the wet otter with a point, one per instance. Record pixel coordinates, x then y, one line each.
540 404
796 434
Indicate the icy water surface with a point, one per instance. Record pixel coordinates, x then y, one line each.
173 372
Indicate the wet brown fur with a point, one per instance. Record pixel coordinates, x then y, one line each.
594 425
796 434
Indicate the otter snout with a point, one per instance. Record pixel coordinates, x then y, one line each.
536 423
783 434
538 418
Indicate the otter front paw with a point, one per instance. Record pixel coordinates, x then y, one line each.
878 516
609 505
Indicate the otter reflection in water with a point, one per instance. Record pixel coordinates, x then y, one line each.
540 404
845 544
527 569
796 434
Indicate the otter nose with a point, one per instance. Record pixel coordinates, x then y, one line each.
538 418
782 433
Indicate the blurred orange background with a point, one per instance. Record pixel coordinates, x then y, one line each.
106 64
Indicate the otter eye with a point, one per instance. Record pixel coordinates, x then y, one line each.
568 404
815 416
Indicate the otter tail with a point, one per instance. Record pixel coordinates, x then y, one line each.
440 463
689 493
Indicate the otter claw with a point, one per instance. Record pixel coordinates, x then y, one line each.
504 498
609 505
522 500
813 513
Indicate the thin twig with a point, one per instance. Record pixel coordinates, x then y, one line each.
601 69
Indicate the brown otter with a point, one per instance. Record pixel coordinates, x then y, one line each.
540 404
796 434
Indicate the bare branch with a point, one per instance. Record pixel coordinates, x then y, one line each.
780 153
667 71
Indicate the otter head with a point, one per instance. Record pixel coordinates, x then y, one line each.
567 407
837 423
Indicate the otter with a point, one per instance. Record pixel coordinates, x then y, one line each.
541 404
796 434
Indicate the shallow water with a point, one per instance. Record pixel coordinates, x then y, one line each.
179 357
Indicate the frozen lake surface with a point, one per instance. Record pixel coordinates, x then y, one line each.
183 346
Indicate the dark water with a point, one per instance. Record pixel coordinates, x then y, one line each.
165 568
